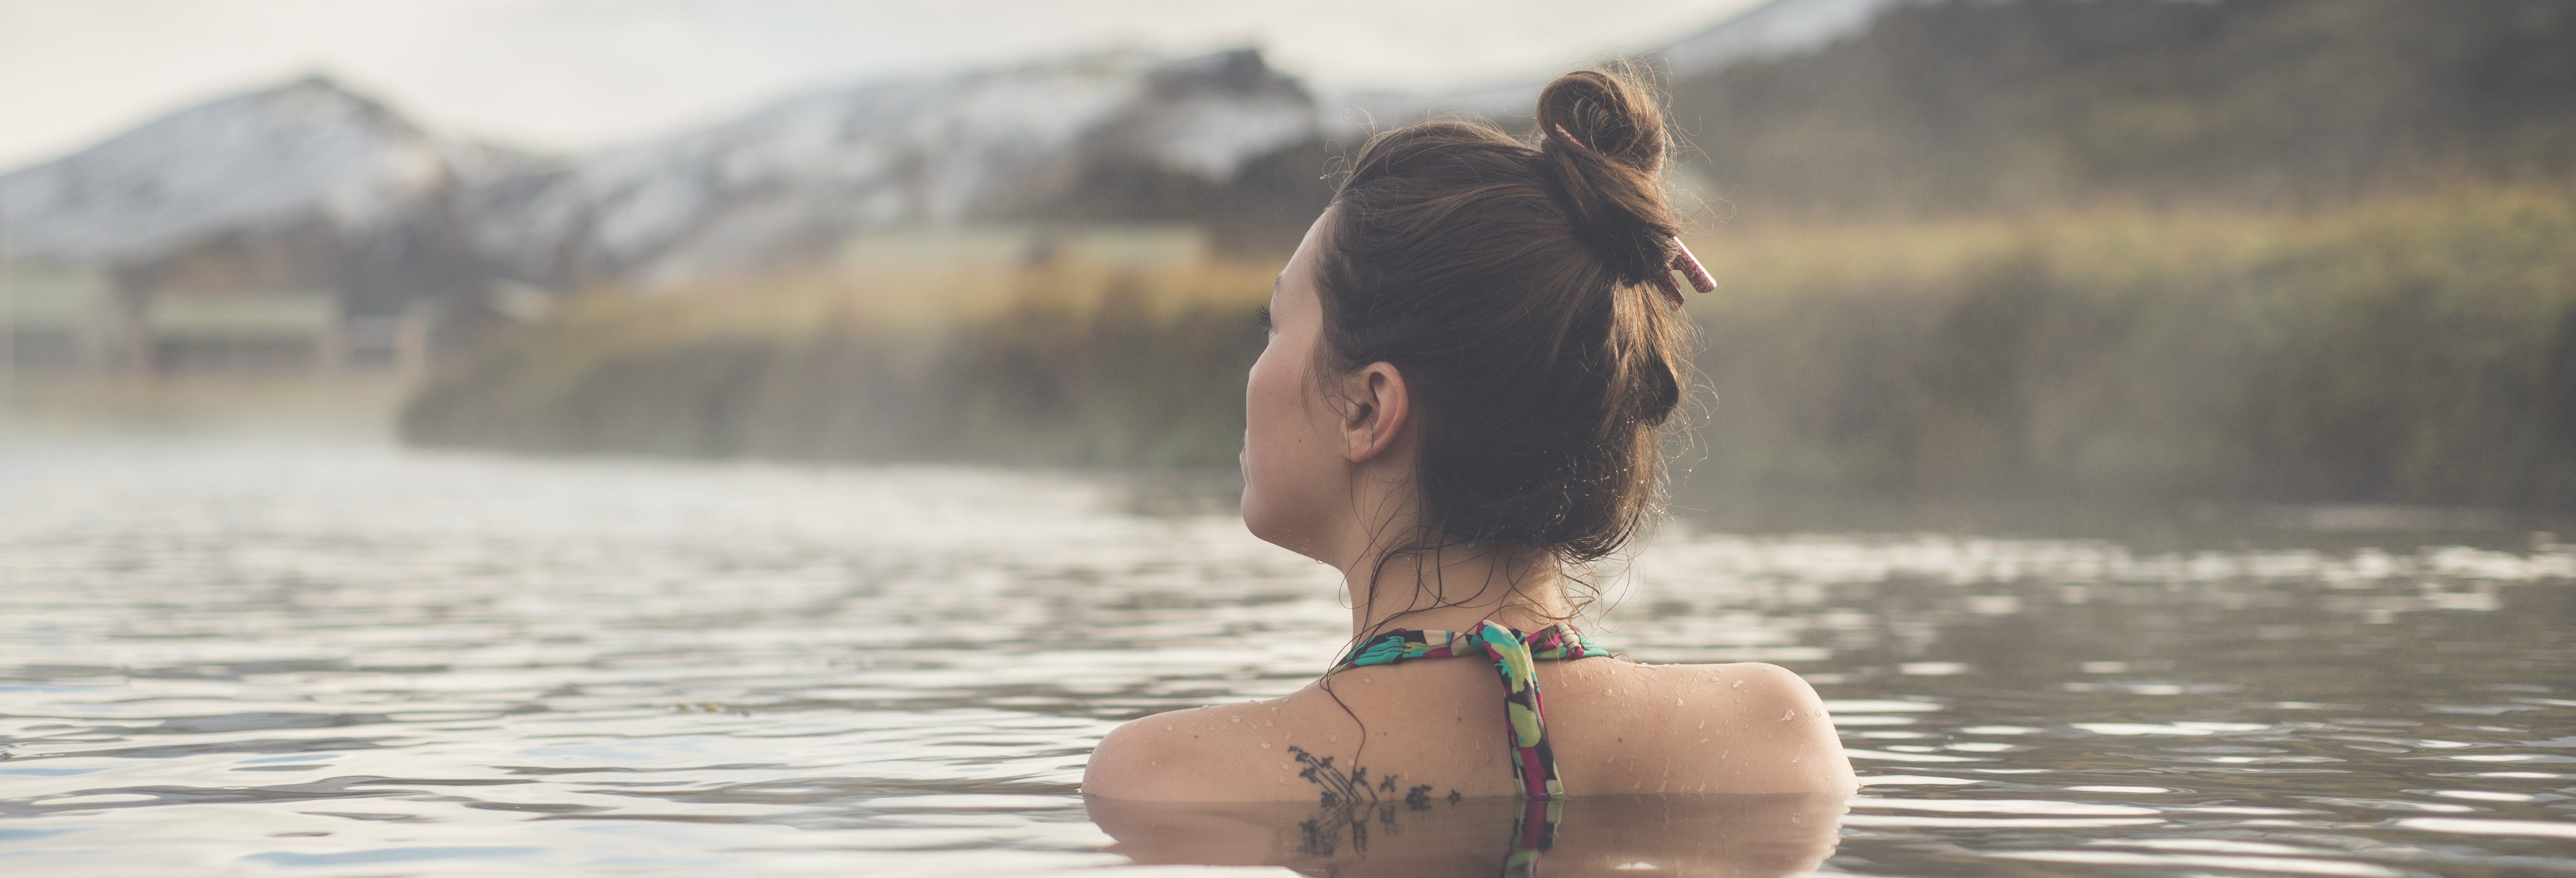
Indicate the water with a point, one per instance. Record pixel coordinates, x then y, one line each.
344 660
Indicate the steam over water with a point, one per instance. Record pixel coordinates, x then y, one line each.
329 660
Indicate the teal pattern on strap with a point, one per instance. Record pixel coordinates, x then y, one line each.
1515 657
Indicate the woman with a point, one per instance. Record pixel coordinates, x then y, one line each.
1472 357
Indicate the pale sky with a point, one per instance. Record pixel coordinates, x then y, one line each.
565 75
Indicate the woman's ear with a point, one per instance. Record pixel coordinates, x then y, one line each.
1379 408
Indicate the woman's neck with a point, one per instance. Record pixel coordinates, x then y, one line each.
1454 589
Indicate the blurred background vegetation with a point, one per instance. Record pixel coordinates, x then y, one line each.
2418 349
2268 250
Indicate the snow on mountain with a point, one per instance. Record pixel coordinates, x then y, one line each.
1208 115
1374 110
802 174
1770 30
1773 29
302 153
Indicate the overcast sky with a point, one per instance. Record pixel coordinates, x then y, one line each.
573 74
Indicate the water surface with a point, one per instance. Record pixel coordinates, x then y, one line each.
313 660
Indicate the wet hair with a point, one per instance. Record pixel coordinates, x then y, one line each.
1514 284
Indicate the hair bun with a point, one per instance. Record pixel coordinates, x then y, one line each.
1602 146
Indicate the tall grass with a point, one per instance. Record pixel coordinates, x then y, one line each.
2419 350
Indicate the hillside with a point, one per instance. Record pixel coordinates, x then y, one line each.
1973 106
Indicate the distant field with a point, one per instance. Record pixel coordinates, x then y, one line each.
2418 350
335 406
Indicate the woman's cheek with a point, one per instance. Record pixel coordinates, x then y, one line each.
1273 493
1259 457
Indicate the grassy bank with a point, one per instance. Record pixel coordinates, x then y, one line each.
2414 351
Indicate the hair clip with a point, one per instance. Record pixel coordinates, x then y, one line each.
1690 268
1682 262
1569 136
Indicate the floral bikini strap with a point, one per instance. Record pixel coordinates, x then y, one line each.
1515 657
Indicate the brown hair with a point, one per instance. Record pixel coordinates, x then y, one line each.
1514 285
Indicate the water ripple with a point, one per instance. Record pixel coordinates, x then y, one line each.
321 660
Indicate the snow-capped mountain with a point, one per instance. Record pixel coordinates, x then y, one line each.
806 172
793 178
306 153
412 213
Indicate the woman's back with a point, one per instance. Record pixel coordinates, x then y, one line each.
1438 728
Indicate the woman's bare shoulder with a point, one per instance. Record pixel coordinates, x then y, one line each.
1201 754
1733 728
1739 728
1751 689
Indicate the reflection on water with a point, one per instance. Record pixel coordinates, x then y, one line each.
1745 836
334 660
